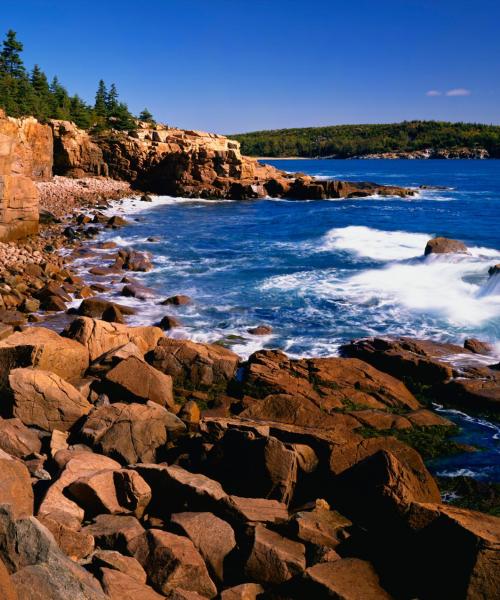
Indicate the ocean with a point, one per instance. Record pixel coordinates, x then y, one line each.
322 272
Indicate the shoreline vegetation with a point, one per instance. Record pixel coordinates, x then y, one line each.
406 140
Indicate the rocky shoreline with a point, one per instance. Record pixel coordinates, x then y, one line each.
153 467
431 153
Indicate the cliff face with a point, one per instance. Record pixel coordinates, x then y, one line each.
25 157
75 154
179 162
184 163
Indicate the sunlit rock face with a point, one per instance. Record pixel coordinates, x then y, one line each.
25 157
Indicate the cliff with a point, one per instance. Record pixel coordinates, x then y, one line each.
192 164
159 159
25 157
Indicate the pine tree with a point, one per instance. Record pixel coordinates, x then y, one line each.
101 99
80 112
11 62
42 99
122 119
39 81
146 116
112 100
60 104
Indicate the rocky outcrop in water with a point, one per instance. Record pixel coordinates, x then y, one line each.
444 372
442 245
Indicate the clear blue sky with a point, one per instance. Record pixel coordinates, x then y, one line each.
232 66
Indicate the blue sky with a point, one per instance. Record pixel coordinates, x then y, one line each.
240 65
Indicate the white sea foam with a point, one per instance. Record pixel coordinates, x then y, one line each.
451 286
132 205
373 243
457 473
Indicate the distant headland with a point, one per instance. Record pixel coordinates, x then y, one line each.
406 140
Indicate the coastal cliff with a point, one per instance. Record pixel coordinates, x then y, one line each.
193 164
152 158
25 157
144 466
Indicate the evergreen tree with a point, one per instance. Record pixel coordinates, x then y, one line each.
23 94
146 116
11 62
101 99
60 102
42 99
121 118
80 112
112 99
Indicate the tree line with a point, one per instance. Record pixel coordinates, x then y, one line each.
24 93
344 141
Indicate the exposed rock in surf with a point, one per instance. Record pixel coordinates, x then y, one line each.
442 245
168 322
494 270
260 330
178 300
477 346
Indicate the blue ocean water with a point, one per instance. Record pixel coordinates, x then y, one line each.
324 272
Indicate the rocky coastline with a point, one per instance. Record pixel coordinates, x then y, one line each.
431 153
138 465
165 468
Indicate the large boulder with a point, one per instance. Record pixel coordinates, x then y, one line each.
244 591
172 562
120 586
75 464
43 349
321 527
274 559
44 400
100 336
330 383
299 411
114 492
198 365
255 466
240 510
7 587
73 542
131 432
212 537
110 559
420 361
456 552
17 439
346 579
442 245
116 532
96 307
134 380
39 570
478 393
15 486
175 488
380 489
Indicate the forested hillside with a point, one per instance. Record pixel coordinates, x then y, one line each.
345 141
26 92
